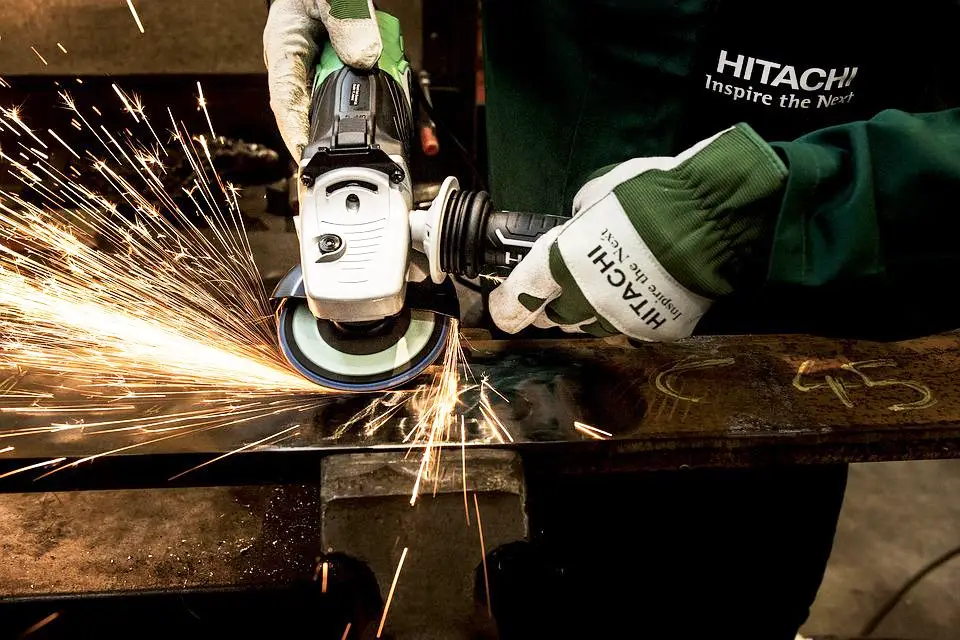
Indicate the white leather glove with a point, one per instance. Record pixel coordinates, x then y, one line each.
293 37
651 244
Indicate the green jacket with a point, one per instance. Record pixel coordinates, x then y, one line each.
858 99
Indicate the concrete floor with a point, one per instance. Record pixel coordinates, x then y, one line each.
896 517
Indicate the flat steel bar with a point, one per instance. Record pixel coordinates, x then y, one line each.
591 406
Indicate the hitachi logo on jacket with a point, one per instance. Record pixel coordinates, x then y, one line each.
776 74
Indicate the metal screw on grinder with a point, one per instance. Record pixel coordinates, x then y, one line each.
328 243
396 176
353 202
306 180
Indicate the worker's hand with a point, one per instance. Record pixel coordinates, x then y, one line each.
295 32
650 243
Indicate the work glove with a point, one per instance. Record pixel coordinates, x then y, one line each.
650 245
293 37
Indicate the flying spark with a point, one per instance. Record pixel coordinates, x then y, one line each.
393 586
202 102
65 145
60 46
45 463
41 624
592 432
483 556
126 103
133 10
463 468
113 303
42 59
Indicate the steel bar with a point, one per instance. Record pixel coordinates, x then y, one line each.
717 401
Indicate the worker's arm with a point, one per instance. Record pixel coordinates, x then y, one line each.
873 203
652 242
866 210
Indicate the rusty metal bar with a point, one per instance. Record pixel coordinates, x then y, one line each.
717 401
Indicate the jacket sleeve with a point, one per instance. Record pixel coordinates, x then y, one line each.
873 203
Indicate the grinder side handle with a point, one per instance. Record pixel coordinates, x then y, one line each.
469 237
509 235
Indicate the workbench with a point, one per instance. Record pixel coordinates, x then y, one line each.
257 526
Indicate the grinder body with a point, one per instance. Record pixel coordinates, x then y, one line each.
343 318
356 192
369 306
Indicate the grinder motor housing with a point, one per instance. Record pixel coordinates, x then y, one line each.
356 195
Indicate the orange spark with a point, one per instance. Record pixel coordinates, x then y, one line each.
65 145
136 17
45 463
272 436
42 59
593 432
393 586
483 556
203 105
39 625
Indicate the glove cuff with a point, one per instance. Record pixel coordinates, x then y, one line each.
736 169
712 207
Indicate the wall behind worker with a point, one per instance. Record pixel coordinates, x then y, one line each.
180 36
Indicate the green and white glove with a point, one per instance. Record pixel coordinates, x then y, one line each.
648 246
293 37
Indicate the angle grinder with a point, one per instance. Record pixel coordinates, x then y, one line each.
368 307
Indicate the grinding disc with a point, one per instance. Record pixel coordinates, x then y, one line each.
383 357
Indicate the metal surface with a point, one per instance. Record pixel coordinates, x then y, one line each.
367 514
187 563
151 539
189 559
723 401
